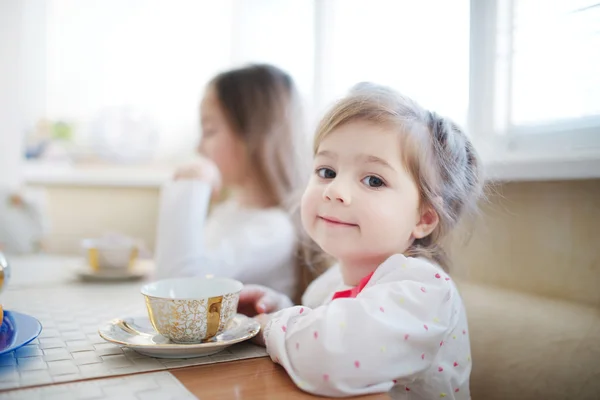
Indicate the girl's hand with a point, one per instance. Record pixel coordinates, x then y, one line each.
263 320
203 170
256 299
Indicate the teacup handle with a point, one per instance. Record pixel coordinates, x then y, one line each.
213 316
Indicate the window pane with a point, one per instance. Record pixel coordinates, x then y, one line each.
419 48
151 55
556 60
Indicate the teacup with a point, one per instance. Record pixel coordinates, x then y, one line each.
104 254
191 310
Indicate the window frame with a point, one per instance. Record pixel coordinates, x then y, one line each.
567 149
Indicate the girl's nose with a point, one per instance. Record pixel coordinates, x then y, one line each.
337 191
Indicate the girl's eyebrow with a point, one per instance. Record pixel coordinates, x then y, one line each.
326 153
371 159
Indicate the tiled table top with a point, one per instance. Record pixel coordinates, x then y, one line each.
41 270
153 386
69 347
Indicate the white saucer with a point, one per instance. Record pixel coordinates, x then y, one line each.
138 271
138 334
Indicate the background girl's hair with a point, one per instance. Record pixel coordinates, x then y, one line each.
262 106
436 152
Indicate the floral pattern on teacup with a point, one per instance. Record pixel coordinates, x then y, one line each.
185 321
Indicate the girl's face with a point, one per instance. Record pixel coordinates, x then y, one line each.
219 142
361 205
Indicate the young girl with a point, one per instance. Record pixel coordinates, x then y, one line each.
390 181
251 145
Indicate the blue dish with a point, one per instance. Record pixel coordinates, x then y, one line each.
17 330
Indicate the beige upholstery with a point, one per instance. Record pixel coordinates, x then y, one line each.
530 279
529 347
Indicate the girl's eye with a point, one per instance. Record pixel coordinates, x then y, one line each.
373 181
326 173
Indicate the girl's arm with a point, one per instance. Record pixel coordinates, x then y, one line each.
252 249
389 333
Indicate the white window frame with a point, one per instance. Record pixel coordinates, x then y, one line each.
565 150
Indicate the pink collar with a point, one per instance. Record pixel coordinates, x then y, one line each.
352 293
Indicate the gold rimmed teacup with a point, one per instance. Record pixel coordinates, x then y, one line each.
191 310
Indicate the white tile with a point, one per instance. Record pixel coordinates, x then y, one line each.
9 385
108 351
31 364
87 392
93 370
220 357
57 354
124 370
117 361
49 333
8 359
35 377
28 351
132 354
89 329
148 363
65 367
59 396
66 378
123 396
67 327
94 338
51 343
79 345
9 373
74 335
86 357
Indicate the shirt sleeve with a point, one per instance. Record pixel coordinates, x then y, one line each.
183 207
391 332
255 248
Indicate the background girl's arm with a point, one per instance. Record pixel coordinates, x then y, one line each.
254 248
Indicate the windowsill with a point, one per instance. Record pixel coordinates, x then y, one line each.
542 168
511 159
66 174
500 169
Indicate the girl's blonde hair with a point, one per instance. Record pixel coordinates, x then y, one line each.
439 156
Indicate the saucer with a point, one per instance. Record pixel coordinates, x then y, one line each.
138 271
86 274
138 334
17 330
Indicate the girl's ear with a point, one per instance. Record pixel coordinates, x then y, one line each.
428 222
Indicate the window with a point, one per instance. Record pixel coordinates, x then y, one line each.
421 48
555 61
127 76
140 62
535 87
520 75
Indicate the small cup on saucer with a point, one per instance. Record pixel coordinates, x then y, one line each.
192 310
110 254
